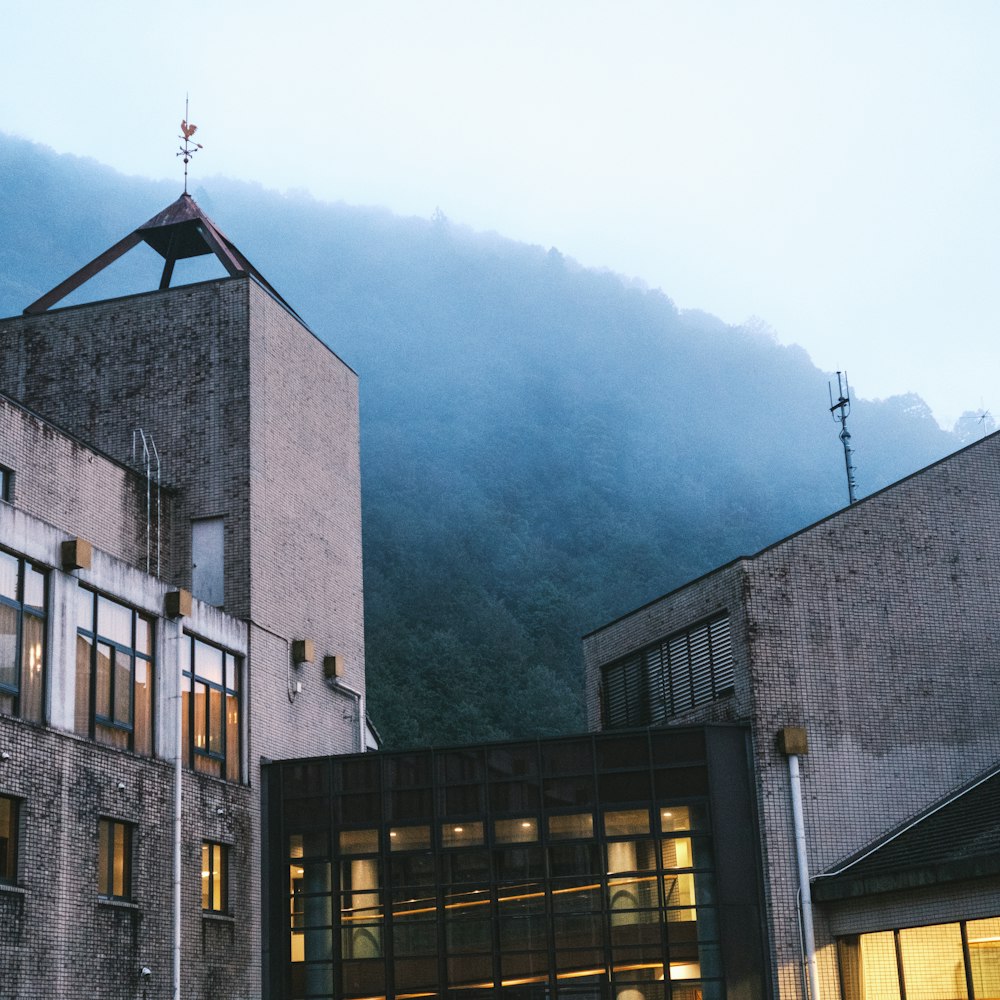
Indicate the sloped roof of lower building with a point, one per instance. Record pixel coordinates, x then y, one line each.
956 839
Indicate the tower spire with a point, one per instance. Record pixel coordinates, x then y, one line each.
189 148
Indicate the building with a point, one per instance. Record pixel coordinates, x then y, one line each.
186 807
579 868
192 440
864 654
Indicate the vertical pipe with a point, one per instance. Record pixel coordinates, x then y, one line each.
805 899
178 823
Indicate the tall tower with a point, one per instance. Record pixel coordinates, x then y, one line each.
253 423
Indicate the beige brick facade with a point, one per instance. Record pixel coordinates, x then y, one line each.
256 422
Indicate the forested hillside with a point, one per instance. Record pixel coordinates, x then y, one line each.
543 446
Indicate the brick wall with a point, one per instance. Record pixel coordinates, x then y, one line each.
256 421
61 480
879 630
57 937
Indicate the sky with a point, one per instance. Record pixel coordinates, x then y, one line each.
824 168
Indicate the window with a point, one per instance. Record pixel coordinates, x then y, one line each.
6 484
211 709
956 960
688 669
22 637
114 673
8 840
214 877
114 859
208 548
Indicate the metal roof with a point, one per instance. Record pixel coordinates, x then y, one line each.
180 231
956 839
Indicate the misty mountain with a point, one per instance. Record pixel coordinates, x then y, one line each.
544 446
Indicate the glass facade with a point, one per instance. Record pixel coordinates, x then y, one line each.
578 868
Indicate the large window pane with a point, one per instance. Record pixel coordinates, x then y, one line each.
22 638
143 717
9 576
933 962
984 956
81 712
8 647
114 622
123 688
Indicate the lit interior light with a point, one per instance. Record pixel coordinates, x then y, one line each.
526 824
459 829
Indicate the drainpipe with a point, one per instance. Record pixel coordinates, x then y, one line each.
178 605
793 743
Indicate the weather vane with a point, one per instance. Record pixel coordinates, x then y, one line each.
189 148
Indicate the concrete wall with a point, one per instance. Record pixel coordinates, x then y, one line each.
879 630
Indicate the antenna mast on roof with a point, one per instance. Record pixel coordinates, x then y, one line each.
839 412
189 148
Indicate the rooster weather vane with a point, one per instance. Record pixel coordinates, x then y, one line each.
189 148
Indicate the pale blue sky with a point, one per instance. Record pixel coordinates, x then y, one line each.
828 167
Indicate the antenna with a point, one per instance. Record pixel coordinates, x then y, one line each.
189 148
839 412
986 419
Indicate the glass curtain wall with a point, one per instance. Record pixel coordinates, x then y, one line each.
579 868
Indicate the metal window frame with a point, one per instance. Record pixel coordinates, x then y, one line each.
109 825
21 609
220 905
191 677
94 636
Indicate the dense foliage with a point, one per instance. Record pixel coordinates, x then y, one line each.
543 447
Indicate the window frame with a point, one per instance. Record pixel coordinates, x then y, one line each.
850 966
9 859
6 484
226 764
107 838
214 852
38 614
100 726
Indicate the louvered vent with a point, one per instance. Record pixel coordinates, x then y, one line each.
688 669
